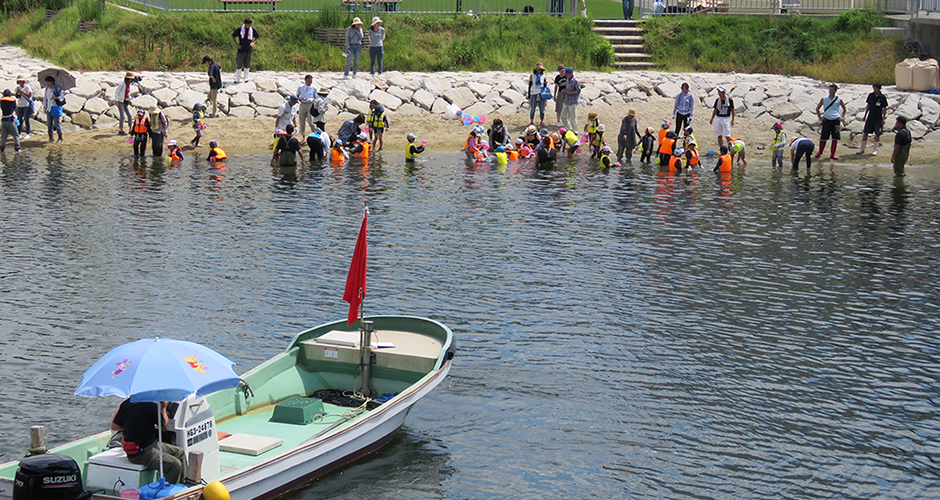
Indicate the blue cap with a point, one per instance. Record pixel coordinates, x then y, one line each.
500 149
569 70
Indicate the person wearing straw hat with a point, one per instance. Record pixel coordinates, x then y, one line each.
122 98
629 134
24 105
245 37
537 81
320 106
159 125
353 46
376 45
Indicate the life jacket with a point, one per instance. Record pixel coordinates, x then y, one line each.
662 134
198 117
408 154
377 121
605 160
525 151
779 136
689 139
592 125
675 163
501 157
219 154
475 149
570 137
726 164
336 155
513 155
692 156
175 154
598 139
365 150
141 124
665 146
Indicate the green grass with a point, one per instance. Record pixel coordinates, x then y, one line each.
842 49
178 40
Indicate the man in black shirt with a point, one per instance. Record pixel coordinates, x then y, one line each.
902 146
287 150
139 423
561 81
215 83
876 110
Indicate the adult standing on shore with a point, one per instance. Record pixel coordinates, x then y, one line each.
537 80
376 45
306 94
627 139
723 117
683 108
902 146
24 105
353 46
244 37
627 9
122 97
569 113
831 121
320 106
52 103
560 83
876 112
215 83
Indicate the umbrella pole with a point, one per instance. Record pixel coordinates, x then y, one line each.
160 437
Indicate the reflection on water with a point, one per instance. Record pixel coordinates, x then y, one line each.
622 332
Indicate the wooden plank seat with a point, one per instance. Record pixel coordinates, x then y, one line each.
226 2
371 5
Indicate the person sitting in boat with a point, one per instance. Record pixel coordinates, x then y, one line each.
139 423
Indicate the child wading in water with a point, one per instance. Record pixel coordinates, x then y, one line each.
647 145
199 116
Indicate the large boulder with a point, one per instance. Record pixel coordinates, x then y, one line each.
423 98
144 101
917 129
439 106
83 119
479 108
480 89
240 99
267 99
667 89
400 92
909 108
511 95
410 109
436 86
590 93
85 87
73 104
165 97
105 121
178 114
930 111
242 112
96 105
388 101
461 96
189 98
357 106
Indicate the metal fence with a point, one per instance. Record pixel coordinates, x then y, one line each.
928 5
668 7
553 7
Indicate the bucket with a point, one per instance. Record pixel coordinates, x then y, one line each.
130 493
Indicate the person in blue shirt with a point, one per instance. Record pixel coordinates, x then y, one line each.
683 108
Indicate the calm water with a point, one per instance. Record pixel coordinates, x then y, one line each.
622 334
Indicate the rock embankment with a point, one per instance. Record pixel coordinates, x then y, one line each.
769 98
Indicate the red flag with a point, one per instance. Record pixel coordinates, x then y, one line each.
356 280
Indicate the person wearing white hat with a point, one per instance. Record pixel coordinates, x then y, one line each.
353 46
376 45
722 116
24 105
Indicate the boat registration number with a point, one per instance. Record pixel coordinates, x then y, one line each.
330 352
199 433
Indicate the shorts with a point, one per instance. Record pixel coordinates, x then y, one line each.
242 60
873 127
723 126
559 103
831 129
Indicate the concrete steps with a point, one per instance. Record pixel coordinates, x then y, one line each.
627 40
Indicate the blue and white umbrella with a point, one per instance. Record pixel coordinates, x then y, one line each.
158 370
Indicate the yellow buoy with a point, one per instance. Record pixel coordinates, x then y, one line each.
215 491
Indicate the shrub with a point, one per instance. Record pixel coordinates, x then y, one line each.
90 10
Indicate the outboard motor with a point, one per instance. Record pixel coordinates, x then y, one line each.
48 477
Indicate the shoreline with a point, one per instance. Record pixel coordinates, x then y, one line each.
415 103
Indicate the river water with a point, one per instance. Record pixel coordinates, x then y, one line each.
621 334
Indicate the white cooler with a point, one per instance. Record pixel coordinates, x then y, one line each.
108 469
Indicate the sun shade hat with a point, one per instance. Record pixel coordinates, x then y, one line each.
171 143
375 20
530 129
631 112
128 75
720 88
411 137
356 21
601 128
323 91
20 78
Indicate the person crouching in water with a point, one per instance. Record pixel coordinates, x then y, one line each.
546 154
604 155
597 141
647 143
140 131
691 155
338 155
738 148
173 152
215 153
675 161
725 161
473 147
411 150
523 148
360 148
571 139
288 149
502 158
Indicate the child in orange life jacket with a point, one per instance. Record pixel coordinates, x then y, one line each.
647 144
724 160
691 155
360 148
215 153
523 148
140 131
511 152
663 130
666 146
172 152
597 141
675 161
473 147
338 155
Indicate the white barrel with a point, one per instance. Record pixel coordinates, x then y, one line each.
903 74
